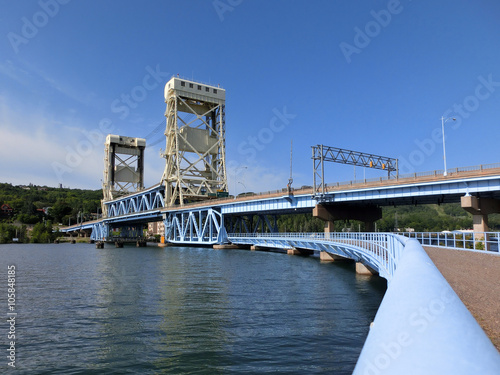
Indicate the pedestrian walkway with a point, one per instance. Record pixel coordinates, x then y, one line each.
475 277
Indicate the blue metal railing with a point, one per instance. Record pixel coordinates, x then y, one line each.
477 241
380 251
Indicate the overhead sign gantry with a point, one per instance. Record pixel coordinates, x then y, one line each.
322 153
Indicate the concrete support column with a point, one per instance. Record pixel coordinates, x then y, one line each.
361 269
225 246
344 211
369 226
480 208
303 252
329 227
480 223
325 256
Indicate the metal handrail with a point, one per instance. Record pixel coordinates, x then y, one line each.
487 242
384 248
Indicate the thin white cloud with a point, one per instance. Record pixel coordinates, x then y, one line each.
34 146
15 72
28 74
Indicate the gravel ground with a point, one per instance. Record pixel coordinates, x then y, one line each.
475 278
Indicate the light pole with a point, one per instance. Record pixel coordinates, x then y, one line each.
443 120
235 173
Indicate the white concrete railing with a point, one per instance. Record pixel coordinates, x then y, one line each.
422 326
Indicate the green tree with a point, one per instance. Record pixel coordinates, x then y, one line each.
7 233
43 233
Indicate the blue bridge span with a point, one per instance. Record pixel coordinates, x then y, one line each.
421 327
209 222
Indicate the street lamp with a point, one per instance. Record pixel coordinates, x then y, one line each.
443 120
235 173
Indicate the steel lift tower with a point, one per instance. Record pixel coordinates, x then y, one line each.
123 167
195 167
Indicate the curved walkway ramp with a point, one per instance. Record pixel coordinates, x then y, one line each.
422 326
379 251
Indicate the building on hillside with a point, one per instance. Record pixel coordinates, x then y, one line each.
6 211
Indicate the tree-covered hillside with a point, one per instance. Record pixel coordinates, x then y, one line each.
34 204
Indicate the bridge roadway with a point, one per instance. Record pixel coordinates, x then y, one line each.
423 188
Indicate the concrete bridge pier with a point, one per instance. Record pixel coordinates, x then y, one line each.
303 252
362 269
480 208
325 256
368 214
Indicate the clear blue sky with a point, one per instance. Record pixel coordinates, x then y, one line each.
372 76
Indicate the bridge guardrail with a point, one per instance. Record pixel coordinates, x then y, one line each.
437 172
422 326
380 249
488 242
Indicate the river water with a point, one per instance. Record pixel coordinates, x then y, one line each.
82 310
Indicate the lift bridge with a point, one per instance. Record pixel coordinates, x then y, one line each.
192 201
192 198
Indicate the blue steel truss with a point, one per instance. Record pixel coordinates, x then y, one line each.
142 201
380 251
251 223
148 205
204 226
100 231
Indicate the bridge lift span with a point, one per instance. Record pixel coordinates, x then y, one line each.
195 154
